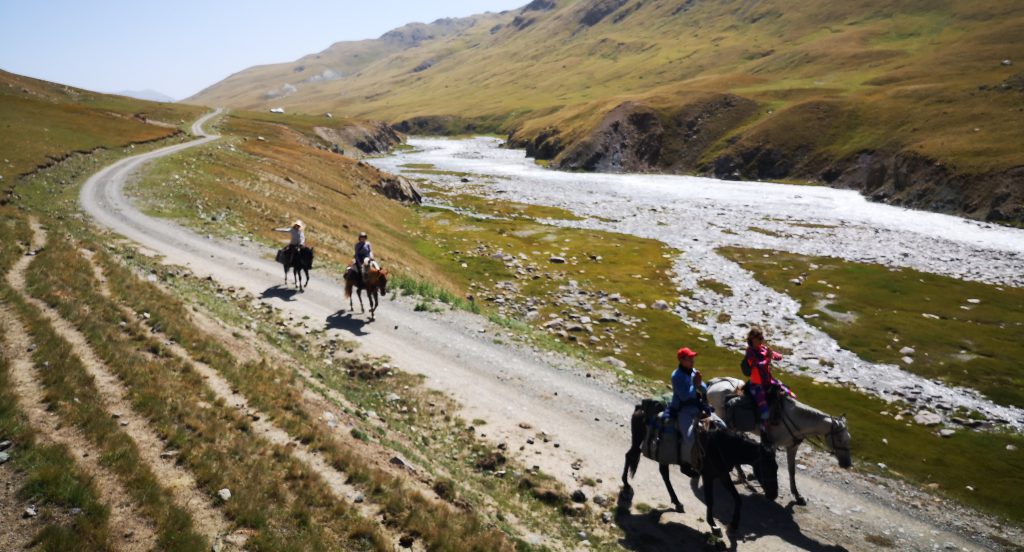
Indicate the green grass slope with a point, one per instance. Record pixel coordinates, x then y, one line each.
763 89
44 122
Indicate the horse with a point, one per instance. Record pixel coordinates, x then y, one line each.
793 423
296 260
375 284
723 451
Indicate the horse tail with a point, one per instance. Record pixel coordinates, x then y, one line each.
638 430
348 289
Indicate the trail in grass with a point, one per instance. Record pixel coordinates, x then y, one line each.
208 519
134 531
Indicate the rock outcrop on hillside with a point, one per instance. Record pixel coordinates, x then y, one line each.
398 188
371 137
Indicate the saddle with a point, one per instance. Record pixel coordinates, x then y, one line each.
663 442
741 411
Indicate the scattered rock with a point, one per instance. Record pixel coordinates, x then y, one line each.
926 418
406 541
359 498
946 433
557 260
30 512
4 445
907 360
224 494
661 305
1011 448
1006 63
393 397
614 362
606 517
907 351
4 457
600 500
579 496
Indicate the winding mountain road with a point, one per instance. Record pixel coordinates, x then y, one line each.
520 392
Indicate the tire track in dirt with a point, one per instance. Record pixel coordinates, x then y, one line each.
336 480
208 519
135 532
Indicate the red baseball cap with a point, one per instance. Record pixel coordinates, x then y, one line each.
685 352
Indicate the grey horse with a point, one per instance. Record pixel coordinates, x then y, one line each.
796 422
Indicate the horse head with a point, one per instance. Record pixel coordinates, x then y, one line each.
839 441
766 471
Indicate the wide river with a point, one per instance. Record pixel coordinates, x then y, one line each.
697 215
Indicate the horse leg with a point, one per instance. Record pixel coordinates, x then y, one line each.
306 270
791 464
663 468
372 297
359 293
734 523
709 501
286 275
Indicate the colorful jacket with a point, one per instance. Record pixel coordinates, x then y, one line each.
759 361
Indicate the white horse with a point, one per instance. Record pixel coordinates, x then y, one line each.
796 422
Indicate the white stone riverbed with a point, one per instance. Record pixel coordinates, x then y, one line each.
697 215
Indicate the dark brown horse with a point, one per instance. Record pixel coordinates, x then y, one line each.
296 259
723 451
375 284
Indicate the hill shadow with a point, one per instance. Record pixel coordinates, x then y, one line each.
344 321
279 292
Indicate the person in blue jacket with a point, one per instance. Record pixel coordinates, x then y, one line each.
689 401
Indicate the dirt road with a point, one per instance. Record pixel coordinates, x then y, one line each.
513 388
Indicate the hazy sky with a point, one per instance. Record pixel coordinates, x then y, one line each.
180 47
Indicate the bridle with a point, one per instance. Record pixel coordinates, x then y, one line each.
833 431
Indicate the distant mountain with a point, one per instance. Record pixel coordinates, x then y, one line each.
151 95
917 103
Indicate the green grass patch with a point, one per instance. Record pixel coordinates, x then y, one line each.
964 333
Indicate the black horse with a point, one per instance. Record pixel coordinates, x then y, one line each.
295 259
723 451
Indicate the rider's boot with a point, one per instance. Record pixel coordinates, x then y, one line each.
766 440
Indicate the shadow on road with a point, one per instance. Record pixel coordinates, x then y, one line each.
645 532
344 321
761 517
279 292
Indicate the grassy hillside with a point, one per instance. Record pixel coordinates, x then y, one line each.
44 122
812 87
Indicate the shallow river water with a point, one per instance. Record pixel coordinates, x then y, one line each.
697 215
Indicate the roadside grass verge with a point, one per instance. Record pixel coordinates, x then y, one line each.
210 438
277 391
47 474
964 333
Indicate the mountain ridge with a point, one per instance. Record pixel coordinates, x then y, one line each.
739 89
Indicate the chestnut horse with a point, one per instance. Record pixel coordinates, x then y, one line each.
375 284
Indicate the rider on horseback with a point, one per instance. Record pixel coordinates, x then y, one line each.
363 252
758 365
298 234
689 400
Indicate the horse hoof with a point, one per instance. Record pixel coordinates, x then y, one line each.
801 501
680 509
716 531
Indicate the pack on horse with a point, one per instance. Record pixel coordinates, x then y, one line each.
655 436
790 423
375 282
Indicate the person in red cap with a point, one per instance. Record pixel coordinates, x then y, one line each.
688 401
